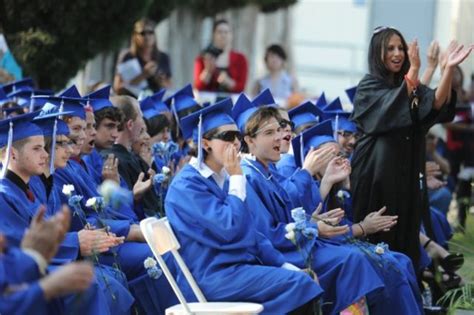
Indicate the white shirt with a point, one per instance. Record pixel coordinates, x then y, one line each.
236 182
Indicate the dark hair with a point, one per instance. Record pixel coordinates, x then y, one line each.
277 50
377 49
217 23
156 124
112 113
193 149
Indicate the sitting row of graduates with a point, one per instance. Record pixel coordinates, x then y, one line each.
230 211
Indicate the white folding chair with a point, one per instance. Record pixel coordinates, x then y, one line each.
161 239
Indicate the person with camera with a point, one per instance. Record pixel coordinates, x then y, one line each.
219 68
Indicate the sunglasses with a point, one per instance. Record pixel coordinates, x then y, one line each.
143 33
285 123
379 29
227 136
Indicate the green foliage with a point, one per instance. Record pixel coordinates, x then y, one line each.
53 39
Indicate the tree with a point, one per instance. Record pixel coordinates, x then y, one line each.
53 39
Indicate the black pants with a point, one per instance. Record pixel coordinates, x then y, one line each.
313 307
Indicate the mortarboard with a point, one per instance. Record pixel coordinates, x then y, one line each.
313 137
339 117
351 92
206 119
321 102
69 100
153 105
99 99
23 84
304 114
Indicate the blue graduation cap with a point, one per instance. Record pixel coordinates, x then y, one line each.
264 98
99 99
70 100
24 96
321 102
14 109
243 109
48 120
23 84
15 129
3 97
339 117
305 113
153 105
311 138
351 92
198 123
182 99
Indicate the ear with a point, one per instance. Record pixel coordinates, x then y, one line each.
206 145
129 124
249 141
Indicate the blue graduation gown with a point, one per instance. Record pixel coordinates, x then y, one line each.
16 268
305 191
229 259
344 273
156 294
17 211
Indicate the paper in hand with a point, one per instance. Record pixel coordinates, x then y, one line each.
129 70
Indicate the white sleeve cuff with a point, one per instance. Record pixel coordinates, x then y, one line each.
237 186
38 258
289 266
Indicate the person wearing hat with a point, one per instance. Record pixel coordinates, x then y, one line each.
235 262
345 131
401 294
394 111
354 273
129 255
25 158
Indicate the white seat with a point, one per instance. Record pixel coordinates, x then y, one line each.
161 239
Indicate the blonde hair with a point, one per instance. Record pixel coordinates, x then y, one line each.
141 25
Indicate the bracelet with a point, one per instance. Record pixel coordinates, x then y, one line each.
363 231
410 82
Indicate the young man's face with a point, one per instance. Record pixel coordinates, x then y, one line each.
77 128
31 159
88 145
106 133
63 151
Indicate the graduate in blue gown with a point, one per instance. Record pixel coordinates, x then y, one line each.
209 206
152 295
401 294
335 265
19 204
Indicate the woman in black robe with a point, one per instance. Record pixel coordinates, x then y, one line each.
394 112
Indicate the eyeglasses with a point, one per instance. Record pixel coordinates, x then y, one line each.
379 29
146 32
227 136
64 144
285 123
348 134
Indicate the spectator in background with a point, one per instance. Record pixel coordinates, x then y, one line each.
278 80
9 68
219 68
143 65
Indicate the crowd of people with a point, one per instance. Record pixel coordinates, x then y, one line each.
308 210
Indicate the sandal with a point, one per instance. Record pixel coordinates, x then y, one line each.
452 262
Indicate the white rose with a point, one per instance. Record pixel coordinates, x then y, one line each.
290 227
68 189
91 202
340 194
107 188
290 235
379 250
149 263
166 170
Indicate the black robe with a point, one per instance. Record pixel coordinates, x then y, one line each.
388 163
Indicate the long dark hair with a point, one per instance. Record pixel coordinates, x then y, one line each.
378 48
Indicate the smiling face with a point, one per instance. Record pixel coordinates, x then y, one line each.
266 143
394 54
286 133
77 127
